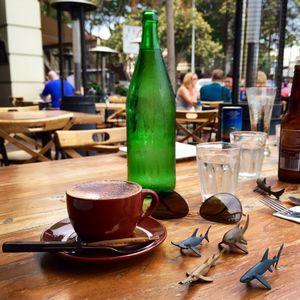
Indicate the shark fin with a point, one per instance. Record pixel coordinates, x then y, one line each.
265 256
241 247
270 269
205 278
278 255
196 251
206 233
263 281
243 241
195 232
176 244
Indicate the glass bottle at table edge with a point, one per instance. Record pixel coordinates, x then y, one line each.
289 145
151 115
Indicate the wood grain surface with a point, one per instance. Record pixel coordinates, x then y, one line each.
33 198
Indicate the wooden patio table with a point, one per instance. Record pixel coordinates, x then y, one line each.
33 198
40 122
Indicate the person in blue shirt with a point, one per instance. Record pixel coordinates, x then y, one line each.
53 88
215 91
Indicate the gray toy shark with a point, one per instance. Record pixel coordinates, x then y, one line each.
261 267
193 241
234 238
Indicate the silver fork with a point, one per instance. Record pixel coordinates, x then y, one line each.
277 206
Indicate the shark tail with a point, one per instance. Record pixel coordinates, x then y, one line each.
278 255
278 193
246 224
206 233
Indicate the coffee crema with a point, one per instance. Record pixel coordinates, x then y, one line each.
101 190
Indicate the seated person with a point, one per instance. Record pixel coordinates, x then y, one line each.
228 82
53 88
286 90
215 91
261 79
187 94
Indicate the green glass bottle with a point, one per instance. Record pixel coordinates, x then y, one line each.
150 115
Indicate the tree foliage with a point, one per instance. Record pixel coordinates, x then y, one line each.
213 20
208 51
269 34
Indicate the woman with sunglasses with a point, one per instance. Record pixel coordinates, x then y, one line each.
187 94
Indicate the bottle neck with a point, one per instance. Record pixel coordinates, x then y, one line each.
150 35
295 93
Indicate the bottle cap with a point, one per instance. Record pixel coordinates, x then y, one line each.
149 15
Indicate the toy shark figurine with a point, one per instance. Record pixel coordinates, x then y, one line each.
198 274
235 237
192 242
264 189
261 267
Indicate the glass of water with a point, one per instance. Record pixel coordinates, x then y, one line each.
260 102
218 166
252 144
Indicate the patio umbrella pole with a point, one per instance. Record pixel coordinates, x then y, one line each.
237 50
83 53
282 24
60 52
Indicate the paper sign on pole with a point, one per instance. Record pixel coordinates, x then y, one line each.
131 39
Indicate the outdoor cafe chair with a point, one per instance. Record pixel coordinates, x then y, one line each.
18 133
211 104
203 124
100 140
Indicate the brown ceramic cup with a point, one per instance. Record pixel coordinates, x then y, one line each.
108 209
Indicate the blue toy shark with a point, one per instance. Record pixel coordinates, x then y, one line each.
261 267
192 242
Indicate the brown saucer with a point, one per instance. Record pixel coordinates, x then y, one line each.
63 231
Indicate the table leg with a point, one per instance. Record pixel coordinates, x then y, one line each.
3 152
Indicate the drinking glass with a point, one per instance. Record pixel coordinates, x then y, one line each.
252 144
218 166
260 102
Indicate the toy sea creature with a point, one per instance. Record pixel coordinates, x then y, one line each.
235 237
261 267
198 274
193 241
294 200
263 188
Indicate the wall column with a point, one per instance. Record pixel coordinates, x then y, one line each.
20 30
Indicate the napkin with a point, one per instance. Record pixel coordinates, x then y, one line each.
295 208
182 150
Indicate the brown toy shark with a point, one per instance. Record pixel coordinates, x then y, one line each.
235 237
199 273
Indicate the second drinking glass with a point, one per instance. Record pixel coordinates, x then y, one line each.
218 166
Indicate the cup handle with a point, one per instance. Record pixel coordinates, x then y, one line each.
153 205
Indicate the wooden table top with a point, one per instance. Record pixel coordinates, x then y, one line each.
112 106
80 118
33 198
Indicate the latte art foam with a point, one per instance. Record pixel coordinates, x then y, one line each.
101 190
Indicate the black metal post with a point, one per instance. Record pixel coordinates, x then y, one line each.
60 47
252 58
253 32
281 44
237 50
83 50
